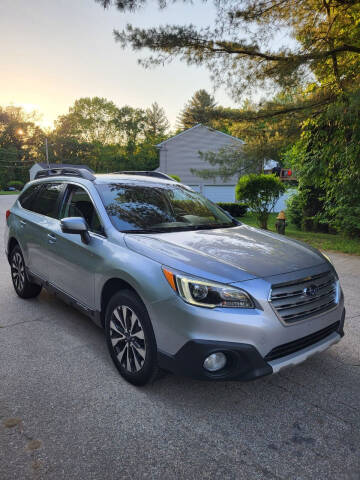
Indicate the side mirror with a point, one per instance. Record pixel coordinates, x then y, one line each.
76 225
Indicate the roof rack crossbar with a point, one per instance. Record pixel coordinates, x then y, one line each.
65 172
147 173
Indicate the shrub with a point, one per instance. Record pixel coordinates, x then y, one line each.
304 210
175 177
235 209
16 184
260 192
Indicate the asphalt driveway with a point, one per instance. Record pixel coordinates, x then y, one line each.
65 413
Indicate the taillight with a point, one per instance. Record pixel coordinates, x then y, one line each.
7 214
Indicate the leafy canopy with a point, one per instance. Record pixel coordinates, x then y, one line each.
21 143
327 160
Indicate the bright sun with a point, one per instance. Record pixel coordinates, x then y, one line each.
40 119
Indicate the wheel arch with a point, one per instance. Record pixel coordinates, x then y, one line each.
112 286
12 243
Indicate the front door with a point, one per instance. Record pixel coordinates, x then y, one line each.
74 263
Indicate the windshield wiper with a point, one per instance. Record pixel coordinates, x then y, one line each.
146 230
211 226
184 228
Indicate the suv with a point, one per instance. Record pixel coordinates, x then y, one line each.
176 282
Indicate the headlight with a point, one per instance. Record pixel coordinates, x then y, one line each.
207 294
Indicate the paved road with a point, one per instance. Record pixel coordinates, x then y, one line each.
77 419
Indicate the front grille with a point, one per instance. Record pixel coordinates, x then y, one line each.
304 298
291 347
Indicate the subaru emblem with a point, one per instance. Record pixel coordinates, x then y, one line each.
311 291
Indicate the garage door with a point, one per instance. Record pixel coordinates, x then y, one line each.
220 193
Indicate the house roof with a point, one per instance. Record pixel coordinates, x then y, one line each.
159 145
63 165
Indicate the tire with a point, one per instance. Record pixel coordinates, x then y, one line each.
22 285
130 338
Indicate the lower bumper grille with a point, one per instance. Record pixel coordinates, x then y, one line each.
292 347
304 298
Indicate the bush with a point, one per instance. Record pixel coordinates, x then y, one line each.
175 177
260 192
235 209
16 184
304 210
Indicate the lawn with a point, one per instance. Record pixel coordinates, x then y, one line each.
3 192
323 241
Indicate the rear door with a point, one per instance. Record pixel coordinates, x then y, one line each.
74 263
37 220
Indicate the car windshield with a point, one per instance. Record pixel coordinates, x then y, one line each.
138 208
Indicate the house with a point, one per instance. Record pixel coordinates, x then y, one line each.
41 166
270 166
179 154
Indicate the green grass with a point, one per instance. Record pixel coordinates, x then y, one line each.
3 192
323 241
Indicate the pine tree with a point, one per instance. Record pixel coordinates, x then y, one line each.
197 110
242 50
156 123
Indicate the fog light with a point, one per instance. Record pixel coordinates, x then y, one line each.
215 361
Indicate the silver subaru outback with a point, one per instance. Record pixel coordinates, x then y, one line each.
176 283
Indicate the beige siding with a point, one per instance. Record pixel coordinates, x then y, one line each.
181 153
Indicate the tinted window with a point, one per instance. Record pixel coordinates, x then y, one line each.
144 208
27 197
45 202
79 204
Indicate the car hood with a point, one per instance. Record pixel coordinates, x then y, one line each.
228 254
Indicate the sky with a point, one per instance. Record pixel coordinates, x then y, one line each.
53 52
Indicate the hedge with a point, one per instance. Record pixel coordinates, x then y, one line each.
235 209
16 184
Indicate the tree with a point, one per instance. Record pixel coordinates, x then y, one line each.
21 144
323 49
131 123
156 123
327 161
197 110
260 192
90 120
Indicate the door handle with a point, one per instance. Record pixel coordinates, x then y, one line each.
51 238
22 223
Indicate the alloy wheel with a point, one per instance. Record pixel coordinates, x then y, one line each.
18 271
127 338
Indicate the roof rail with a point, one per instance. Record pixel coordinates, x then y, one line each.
67 172
147 173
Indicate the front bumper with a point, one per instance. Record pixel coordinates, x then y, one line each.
244 362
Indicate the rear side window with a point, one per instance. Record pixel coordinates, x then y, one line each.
26 198
46 202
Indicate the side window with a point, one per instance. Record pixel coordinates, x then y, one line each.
79 204
46 202
26 198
